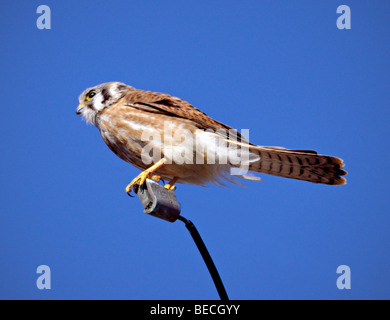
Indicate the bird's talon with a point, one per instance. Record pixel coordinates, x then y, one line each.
129 194
138 181
141 178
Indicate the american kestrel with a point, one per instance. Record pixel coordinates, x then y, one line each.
168 138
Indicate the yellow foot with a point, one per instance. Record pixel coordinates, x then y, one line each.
155 178
141 178
170 184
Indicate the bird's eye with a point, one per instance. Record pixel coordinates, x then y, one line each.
90 95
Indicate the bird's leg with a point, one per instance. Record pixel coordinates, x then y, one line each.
140 179
170 184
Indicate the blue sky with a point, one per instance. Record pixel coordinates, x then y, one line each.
280 69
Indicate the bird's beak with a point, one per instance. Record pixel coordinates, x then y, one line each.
80 108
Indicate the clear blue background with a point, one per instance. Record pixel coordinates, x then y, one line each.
281 69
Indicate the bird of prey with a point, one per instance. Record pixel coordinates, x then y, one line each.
168 138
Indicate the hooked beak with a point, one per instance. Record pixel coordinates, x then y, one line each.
80 108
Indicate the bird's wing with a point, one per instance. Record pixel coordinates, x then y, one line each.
163 103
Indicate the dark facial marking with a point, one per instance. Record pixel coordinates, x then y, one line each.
106 95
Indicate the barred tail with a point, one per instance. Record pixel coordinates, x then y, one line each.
304 165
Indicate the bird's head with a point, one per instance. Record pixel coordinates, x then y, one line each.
93 100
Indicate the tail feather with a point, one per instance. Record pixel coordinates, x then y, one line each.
304 165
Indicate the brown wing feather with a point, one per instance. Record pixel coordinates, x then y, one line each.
166 104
